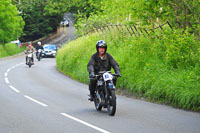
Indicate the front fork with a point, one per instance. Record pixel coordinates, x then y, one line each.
108 86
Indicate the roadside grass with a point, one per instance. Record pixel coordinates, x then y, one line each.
10 49
163 67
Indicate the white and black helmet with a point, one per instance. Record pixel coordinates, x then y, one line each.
39 43
101 44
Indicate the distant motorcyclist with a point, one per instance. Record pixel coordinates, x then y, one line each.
29 48
100 61
39 46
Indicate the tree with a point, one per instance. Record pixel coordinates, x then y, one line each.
41 17
11 23
183 13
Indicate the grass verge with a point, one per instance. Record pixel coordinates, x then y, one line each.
10 49
163 67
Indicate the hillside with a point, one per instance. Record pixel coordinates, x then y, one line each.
164 70
160 63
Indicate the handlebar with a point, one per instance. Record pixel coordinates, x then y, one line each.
101 74
28 51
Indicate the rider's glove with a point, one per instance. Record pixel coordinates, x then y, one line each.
91 75
119 74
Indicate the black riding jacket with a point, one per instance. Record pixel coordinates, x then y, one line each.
96 64
39 47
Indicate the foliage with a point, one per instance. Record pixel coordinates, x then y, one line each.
10 49
41 17
183 13
163 67
83 8
11 24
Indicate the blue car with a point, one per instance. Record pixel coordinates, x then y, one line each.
50 50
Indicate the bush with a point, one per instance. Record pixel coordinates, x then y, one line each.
163 67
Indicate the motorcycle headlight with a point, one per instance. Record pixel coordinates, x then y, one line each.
99 83
111 86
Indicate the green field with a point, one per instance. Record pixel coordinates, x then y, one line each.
10 49
163 67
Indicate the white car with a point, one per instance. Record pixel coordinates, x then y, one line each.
65 22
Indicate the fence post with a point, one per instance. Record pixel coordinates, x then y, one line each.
101 29
132 29
179 24
146 31
117 27
105 28
108 27
160 27
136 30
142 32
128 30
98 30
121 27
92 30
169 25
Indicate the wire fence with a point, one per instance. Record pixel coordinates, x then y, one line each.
133 30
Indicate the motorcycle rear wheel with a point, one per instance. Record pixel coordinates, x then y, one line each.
111 108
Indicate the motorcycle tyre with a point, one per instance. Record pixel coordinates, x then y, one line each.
112 100
97 105
29 62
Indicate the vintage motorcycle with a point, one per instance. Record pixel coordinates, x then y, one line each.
39 54
30 58
105 92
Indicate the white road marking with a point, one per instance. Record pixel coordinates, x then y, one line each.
14 89
6 74
6 79
45 105
36 101
85 123
8 70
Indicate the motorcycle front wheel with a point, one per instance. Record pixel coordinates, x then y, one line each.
38 57
29 62
97 102
111 107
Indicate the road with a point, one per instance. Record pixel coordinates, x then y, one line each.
42 100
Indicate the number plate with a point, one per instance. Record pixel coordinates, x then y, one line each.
29 55
107 76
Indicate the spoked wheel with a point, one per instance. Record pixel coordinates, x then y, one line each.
97 102
112 103
29 63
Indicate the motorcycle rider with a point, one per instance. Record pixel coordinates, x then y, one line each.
39 46
100 61
29 48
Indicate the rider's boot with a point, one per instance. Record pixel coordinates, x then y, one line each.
92 89
91 96
32 61
26 61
